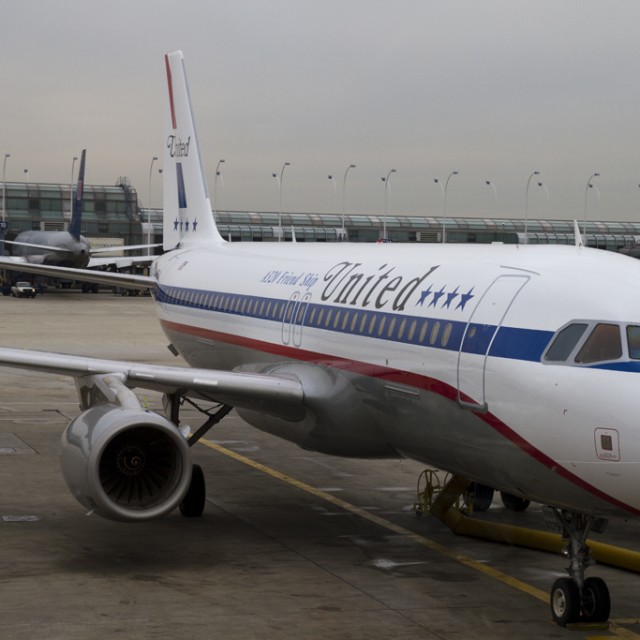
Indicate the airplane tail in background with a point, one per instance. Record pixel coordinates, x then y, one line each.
76 212
188 218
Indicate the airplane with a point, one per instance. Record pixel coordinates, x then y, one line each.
513 366
69 248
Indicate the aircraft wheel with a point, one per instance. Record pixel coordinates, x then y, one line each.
596 602
193 504
514 503
478 496
565 601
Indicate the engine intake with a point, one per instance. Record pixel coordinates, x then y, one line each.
125 464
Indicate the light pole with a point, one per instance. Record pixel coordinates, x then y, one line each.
149 208
493 187
344 195
4 186
588 186
444 202
526 206
3 223
386 189
335 193
279 179
26 171
215 186
73 164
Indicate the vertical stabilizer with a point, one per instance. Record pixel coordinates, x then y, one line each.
188 218
76 211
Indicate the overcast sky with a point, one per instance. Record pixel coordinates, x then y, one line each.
493 89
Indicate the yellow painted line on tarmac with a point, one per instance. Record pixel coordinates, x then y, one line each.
616 627
386 524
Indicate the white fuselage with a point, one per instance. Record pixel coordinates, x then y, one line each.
441 348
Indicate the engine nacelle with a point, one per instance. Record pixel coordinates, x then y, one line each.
124 463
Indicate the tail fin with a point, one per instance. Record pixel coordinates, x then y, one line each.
188 218
76 212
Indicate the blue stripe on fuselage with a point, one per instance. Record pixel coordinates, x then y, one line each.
505 342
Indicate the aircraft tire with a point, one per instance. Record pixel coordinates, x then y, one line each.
192 505
478 496
596 601
565 601
514 503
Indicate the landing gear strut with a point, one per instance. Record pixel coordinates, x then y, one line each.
193 503
575 598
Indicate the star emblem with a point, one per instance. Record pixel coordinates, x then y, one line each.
464 298
176 222
450 298
194 224
436 296
423 296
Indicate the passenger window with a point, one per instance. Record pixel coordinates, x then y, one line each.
446 334
392 325
403 324
434 333
412 329
633 341
564 342
603 344
327 322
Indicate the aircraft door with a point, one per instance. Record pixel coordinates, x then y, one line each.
288 316
298 319
479 334
293 319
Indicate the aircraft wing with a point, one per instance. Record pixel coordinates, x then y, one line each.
83 275
31 245
120 262
277 394
126 247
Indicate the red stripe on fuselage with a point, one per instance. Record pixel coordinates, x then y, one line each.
404 377
170 84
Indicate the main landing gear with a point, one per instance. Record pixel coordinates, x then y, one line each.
192 505
575 598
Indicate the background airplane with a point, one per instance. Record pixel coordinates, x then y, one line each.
514 367
70 248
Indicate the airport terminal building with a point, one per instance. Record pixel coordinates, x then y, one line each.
112 216
110 213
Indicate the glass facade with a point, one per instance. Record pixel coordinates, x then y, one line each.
107 211
254 226
112 212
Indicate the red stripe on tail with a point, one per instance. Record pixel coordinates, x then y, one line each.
170 83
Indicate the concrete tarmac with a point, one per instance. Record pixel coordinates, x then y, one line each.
292 544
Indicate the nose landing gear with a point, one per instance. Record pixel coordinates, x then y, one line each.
575 598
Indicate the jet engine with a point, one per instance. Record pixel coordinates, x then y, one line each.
125 464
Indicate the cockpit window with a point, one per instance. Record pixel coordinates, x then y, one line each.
633 340
604 343
565 342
